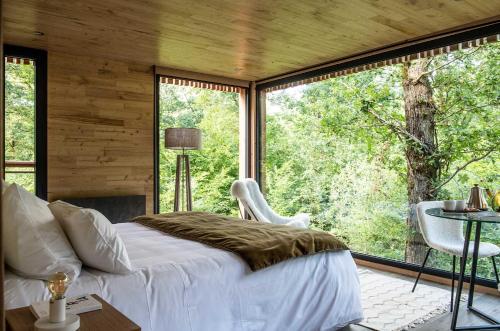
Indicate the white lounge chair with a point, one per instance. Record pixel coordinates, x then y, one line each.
248 194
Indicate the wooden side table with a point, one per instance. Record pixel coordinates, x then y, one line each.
107 319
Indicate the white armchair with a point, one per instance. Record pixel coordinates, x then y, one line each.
447 236
248 194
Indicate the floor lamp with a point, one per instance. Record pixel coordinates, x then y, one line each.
182 139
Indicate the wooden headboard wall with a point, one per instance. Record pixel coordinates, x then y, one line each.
100 127
119 209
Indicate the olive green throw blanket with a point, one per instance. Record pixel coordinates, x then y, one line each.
259 244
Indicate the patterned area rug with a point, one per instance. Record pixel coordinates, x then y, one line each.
389 305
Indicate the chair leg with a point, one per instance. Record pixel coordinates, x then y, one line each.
421 269
495 269
453 282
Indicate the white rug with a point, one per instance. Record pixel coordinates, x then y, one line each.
389 305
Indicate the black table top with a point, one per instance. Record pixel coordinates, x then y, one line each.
480 216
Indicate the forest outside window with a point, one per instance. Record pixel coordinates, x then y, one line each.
219 111
25 118
357 149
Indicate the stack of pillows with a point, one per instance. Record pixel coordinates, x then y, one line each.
41 238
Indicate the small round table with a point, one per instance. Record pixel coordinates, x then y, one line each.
478 218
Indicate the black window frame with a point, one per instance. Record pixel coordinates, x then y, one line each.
465 35
156 136
40 58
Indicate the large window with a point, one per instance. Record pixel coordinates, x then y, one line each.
25 118
216 111
359 150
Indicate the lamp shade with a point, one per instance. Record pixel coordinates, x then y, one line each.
183 138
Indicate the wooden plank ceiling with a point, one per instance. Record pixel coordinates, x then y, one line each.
241 39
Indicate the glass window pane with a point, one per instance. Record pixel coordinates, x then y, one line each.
19 112
26 180
20 122
216 165
339 149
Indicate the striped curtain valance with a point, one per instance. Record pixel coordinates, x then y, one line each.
200 84
402 59
18 60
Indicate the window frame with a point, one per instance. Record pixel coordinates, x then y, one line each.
40 58
156 134
392 52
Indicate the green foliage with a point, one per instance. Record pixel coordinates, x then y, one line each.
20 120
467 95
327 156
216 166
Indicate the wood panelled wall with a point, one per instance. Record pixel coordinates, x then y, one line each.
100 127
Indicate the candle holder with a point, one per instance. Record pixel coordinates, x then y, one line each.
58 320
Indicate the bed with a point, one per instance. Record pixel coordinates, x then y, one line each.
185 285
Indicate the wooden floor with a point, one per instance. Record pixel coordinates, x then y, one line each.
487 303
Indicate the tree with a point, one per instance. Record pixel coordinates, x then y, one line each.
420 148
425 162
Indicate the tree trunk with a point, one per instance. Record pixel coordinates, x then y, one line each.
422 169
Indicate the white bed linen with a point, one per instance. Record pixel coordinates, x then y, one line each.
181 285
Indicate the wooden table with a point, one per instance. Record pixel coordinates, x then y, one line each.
107 319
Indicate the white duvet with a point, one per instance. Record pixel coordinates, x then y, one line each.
181 285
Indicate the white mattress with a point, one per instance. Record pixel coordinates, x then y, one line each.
182 285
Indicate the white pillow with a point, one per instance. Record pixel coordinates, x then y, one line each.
35 245
93 237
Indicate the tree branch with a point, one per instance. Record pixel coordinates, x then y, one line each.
464 110
455 102
462 167
398 130
414 81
